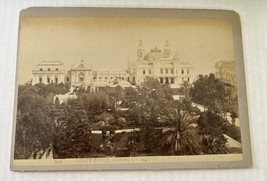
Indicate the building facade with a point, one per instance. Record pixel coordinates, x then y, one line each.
157 63
80 75
48 72
160 64
226 72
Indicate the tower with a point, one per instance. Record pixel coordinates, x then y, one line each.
167 51
140 50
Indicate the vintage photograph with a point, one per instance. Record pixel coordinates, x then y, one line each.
100 87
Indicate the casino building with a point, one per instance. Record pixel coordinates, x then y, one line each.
157 63
161 64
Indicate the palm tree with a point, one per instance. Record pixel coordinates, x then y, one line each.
181 136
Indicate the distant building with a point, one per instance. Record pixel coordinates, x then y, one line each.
226 72
157 63
80 75
111 76
48 72
160 64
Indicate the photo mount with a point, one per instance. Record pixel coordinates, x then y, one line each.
151 162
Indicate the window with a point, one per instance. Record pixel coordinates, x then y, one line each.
48 80
188 79
41 69
99 78
56 80
106 78
166 71
161 71
40 80
56 69
149 71
167 80
111 77
171 71
182 71
122 78
49 69
172 80
187 71
161 80
128 79
134 79
182 79
67 79
144 71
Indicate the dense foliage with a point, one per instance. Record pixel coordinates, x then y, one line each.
160 125
209 92
72 133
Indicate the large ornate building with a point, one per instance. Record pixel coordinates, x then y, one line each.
157 63
161 64
48 72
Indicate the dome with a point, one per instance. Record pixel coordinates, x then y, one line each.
154 53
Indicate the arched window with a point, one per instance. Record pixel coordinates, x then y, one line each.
41 69
56 69
49 69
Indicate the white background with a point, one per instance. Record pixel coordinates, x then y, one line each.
253 16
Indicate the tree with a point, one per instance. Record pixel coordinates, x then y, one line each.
180 137
52 88
34 127
131 96
152 89
93 102
185 89
209 92
71 138
211 128
57 102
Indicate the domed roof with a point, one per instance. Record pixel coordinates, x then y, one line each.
154 54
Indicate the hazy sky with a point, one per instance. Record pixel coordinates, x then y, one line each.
111 42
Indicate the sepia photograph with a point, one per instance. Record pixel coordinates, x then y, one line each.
118 88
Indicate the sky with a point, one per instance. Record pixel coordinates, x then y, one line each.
109 43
